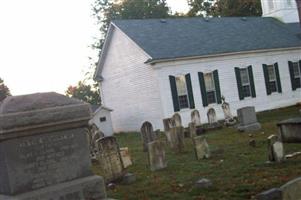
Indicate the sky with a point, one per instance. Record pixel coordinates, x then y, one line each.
45 45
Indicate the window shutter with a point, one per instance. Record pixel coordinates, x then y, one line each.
174 93
203 89
252 81
189 90
217 87
278 78
266 78
291 69
239 86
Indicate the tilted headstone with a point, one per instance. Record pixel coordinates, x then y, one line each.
201 147
177 139
195 118
94 135
110 159
275 149
147 133
156 155
247 119
291 190
177 120
289 130
126 157
44 152
229 120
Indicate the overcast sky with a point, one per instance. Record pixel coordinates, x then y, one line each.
44 45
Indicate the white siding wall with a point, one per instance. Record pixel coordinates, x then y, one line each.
225 66
130 87
106 126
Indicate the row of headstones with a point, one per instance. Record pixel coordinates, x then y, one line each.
175 139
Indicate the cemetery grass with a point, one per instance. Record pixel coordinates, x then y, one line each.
237 170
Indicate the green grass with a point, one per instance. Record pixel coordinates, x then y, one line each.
237 170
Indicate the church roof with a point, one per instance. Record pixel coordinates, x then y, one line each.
190 37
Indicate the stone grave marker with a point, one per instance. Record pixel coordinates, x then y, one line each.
247 119
192 130
177 121
126 157
289 130
110 159
168 124
275 149
229 119
291 190
211 115
201 147
44 152
177 139
156 155
195 118
147 133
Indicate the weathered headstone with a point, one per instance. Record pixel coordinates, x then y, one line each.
275 149
195 118
177 120
229 120
192 130
177 139
291 190
289 130
44 152
271 194
147 133
94 134
168 124
247 119
156 155
201 147
211 115
110 159
125 157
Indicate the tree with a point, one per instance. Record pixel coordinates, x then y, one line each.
107 10
85 92
225 8
4 91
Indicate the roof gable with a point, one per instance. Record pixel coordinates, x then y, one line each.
188 37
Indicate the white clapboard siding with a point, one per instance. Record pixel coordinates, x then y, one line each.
129 87
225 66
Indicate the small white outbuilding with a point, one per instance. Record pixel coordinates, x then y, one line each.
102 119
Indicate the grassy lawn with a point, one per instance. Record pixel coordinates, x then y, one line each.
237 170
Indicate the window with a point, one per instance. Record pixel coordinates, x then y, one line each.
210 88
182 92
272 78
102 119
245 82
297 74
271 4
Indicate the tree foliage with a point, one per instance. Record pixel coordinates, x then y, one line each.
4 90
225 8
107 10
85 92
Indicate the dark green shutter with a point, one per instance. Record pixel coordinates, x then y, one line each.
291 69
217 87
189 90
266 78
239 86
174 93
278 77
253 92
203 89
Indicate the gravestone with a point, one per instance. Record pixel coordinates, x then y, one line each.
94 135
44 152
289 130
192 130
195 118
247 119
229 120
201 147
147 133
177 121
275 149
168 124
291 190
212 120
125 157
156 155
177 139
109 158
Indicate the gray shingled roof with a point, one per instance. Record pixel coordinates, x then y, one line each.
185 37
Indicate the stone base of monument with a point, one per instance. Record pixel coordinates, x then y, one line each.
213 126
91 187
249 127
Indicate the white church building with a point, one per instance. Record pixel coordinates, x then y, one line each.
149 69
